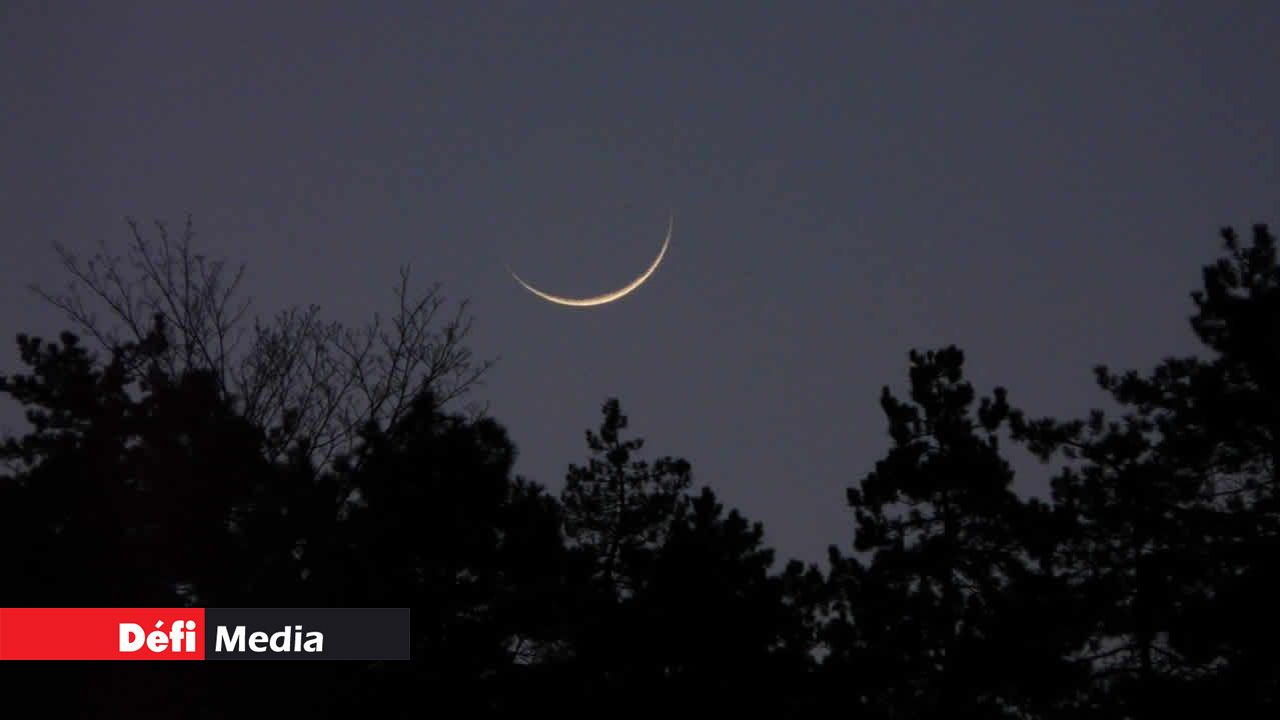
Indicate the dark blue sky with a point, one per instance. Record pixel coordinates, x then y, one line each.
1038 183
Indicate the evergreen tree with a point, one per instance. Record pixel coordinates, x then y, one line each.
678 600
944 603
1173 507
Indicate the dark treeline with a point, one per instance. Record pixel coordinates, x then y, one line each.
311 465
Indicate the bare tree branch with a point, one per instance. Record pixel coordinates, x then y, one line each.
311 385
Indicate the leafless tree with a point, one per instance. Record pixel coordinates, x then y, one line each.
310 383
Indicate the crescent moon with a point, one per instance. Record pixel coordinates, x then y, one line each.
606 297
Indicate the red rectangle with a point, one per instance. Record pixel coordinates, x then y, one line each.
101 633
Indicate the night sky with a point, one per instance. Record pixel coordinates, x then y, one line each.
1038 183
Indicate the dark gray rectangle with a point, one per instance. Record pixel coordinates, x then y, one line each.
306 634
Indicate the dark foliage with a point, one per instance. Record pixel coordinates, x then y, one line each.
1142 588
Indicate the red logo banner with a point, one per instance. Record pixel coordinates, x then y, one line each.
102 634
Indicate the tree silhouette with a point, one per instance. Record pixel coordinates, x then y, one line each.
126 485
678 601
131 490
945 603
618 511
1233 431
313 384
1172 507
166 467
